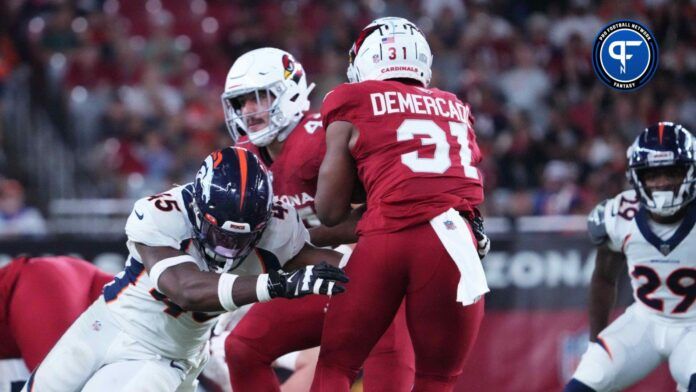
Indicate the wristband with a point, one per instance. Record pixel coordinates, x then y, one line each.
262 288
225 285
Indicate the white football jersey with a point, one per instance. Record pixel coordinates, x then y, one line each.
661 258
166 220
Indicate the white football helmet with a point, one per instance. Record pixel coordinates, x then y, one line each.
277 73
390 48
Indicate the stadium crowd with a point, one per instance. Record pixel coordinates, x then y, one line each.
139 83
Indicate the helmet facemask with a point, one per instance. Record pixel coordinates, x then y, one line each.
224 249
665 200
238 124
278 82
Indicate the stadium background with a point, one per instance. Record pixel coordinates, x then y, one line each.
106 101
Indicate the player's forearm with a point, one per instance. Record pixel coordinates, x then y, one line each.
343 233
602 299
310 255
200 293
337 176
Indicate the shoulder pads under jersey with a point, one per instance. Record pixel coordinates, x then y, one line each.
596 224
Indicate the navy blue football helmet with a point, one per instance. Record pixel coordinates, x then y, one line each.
232 204
663 145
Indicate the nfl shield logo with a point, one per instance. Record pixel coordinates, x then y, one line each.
665 249
449 225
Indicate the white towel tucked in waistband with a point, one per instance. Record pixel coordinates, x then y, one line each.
457 239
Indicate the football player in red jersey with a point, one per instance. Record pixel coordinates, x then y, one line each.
414 150
39 298
265 103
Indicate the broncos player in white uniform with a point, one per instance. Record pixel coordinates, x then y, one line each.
651 228
149 329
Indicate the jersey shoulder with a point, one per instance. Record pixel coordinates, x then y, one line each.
161 220
310 129
349 101
450 96
285 235
611 219
444 94
305 149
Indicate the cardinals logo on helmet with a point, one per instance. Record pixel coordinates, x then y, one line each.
291 69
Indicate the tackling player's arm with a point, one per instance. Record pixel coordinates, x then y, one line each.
310 255
195 290
608 266
189 287
342 233
337 174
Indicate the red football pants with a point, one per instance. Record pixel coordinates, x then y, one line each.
383 269
281 326
41 298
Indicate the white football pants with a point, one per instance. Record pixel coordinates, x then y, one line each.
635 344
95 355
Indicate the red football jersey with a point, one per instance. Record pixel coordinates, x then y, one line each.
52 292
416 153
296 170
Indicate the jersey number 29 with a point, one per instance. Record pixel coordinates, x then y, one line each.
681 282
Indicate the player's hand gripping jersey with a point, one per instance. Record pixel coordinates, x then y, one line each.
165 220
660 257
429 131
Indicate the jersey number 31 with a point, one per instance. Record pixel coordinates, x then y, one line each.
433 134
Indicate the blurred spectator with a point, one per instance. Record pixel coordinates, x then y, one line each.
526 86
154 97
15 217
142 81
579 20
559 194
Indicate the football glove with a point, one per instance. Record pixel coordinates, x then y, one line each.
483 242
313 279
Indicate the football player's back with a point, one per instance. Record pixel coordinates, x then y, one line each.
414 151
416 146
